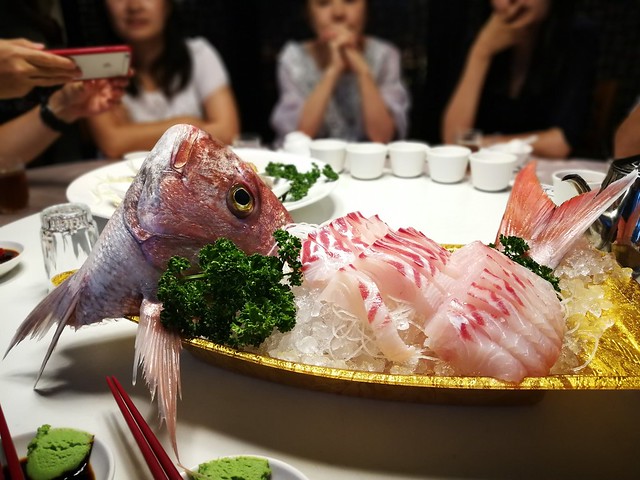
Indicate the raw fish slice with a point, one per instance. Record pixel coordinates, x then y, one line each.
358 294
501 320
550 230
415 247
337 243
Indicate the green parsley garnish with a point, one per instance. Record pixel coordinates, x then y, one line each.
300 182
516 249
233 299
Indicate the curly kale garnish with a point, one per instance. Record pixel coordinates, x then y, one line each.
300 182
516 249
233 298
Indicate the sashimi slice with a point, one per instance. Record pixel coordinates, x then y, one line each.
500 320
550 230
337 243
356 293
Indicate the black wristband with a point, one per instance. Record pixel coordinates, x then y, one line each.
50 120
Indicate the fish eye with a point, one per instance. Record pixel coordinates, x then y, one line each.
240 201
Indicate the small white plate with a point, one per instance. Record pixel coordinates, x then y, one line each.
279 470
101 460
11 264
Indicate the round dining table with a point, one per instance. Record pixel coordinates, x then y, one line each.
565 434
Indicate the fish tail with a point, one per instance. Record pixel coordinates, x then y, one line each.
157 350
552 230
56 308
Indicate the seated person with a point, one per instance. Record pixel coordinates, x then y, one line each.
627 138
175 81
530 71
341 84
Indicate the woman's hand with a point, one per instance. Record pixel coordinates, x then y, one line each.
84 99
505 28
25 64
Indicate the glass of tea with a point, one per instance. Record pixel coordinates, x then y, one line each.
470 138
14 188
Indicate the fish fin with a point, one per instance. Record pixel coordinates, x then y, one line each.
58 307
552 230
157 350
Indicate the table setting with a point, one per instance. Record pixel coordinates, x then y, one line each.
322 422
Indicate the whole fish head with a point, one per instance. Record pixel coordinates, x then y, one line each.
190 191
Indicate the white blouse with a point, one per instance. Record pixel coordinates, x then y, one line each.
208 74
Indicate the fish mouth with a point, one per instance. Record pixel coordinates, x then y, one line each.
184 147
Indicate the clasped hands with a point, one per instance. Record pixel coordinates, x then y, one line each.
345 50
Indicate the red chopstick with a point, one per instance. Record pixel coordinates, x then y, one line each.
154 454
15 469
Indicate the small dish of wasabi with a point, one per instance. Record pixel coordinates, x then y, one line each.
245 467
63 453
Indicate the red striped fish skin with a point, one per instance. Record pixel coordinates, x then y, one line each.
499 320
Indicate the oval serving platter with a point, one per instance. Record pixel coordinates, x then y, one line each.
616 366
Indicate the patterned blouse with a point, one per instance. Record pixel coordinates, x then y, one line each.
298 74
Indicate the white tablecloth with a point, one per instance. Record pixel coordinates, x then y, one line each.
327 436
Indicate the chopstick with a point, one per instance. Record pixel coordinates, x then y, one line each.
13 462
154 454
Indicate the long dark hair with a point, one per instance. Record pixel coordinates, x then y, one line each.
172 69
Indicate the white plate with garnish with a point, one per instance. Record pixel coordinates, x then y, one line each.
104 188
10 255
261 158
279 470
101 461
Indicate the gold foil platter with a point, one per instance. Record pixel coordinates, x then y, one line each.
616 366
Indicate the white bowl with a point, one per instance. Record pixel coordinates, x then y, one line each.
102 462
279 470
366 160
491 170
407 158
448 163
9 265
135 159
329 150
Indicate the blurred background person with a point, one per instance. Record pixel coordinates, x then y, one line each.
529 71
342 83
32 26
176 80
627 137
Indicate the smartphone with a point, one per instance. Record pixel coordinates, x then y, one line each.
99 62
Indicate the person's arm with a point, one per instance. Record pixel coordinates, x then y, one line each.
550 144
116 134
24 65
501 31
27 136
377 120
315 105
222 120
627 136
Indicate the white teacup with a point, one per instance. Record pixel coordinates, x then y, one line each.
491 171
407 158
563 191
519 148
448 163
329 150
297 142
366 160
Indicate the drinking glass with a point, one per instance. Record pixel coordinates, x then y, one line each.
67 234
470 138
14 188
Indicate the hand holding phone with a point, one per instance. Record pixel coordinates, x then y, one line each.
99 62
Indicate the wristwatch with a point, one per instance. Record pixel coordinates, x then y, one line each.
50 120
